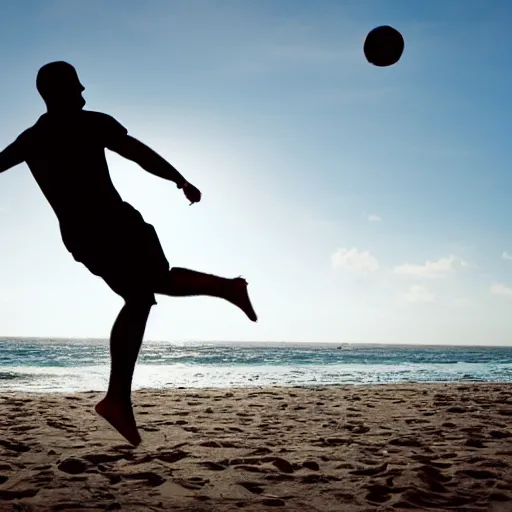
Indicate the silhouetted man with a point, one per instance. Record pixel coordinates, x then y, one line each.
65 151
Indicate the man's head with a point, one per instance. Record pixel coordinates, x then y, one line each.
59 86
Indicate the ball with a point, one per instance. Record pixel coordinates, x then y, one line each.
383 46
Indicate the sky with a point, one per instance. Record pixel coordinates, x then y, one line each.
362 204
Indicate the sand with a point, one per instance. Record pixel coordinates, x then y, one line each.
385 448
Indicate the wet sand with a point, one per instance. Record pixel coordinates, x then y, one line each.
379 448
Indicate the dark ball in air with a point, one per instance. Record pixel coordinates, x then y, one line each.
383 46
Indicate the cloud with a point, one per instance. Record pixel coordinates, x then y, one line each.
354 260
501 290
417 294
506 256
430 269
373 218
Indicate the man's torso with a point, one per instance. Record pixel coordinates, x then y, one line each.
66 155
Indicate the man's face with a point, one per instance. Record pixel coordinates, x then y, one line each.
75 97
71 93
67 91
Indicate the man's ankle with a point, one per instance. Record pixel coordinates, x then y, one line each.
117 397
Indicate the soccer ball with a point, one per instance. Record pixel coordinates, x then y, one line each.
383 46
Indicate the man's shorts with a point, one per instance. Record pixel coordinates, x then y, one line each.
122 249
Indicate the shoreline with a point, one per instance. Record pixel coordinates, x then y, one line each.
354 448
341 386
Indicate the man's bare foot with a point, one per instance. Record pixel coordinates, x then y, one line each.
237 295
121 417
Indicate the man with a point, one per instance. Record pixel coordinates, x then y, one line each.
65 151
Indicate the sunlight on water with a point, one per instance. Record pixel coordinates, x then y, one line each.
60 365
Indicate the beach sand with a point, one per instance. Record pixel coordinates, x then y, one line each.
391 447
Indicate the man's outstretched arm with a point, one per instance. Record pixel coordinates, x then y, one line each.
12 155
135 150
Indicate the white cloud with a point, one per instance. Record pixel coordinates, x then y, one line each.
354 260
501 290
506 256
430 269
373 218
417 293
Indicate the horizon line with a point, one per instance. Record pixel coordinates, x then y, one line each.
266 342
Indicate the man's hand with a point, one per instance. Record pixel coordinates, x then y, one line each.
191 193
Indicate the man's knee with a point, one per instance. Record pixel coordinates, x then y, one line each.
140 300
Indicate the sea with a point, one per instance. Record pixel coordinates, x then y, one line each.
64 366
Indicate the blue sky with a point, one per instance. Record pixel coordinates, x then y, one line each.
362 204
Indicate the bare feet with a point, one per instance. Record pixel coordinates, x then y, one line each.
121 417
237 295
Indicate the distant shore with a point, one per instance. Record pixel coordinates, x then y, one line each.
329 448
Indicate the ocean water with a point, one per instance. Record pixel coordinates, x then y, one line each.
50 365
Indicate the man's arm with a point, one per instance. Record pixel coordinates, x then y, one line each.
12 155
133 149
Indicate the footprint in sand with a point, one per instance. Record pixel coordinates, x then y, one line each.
457 409
273 502
193 483
311 464
151 479
477 474
433 478
213 466
113 478
474 442
254 487
61 425
378 493
426 499
500 434
14 446
279 477
42 478
371 471
260 451
149 428
8 495
172 457
73 466
252 469
492 463
406 441
441 465
316 478
23 428
102 458
281 464
210 444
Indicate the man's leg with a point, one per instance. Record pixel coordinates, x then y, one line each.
125 342
128 332
182 282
